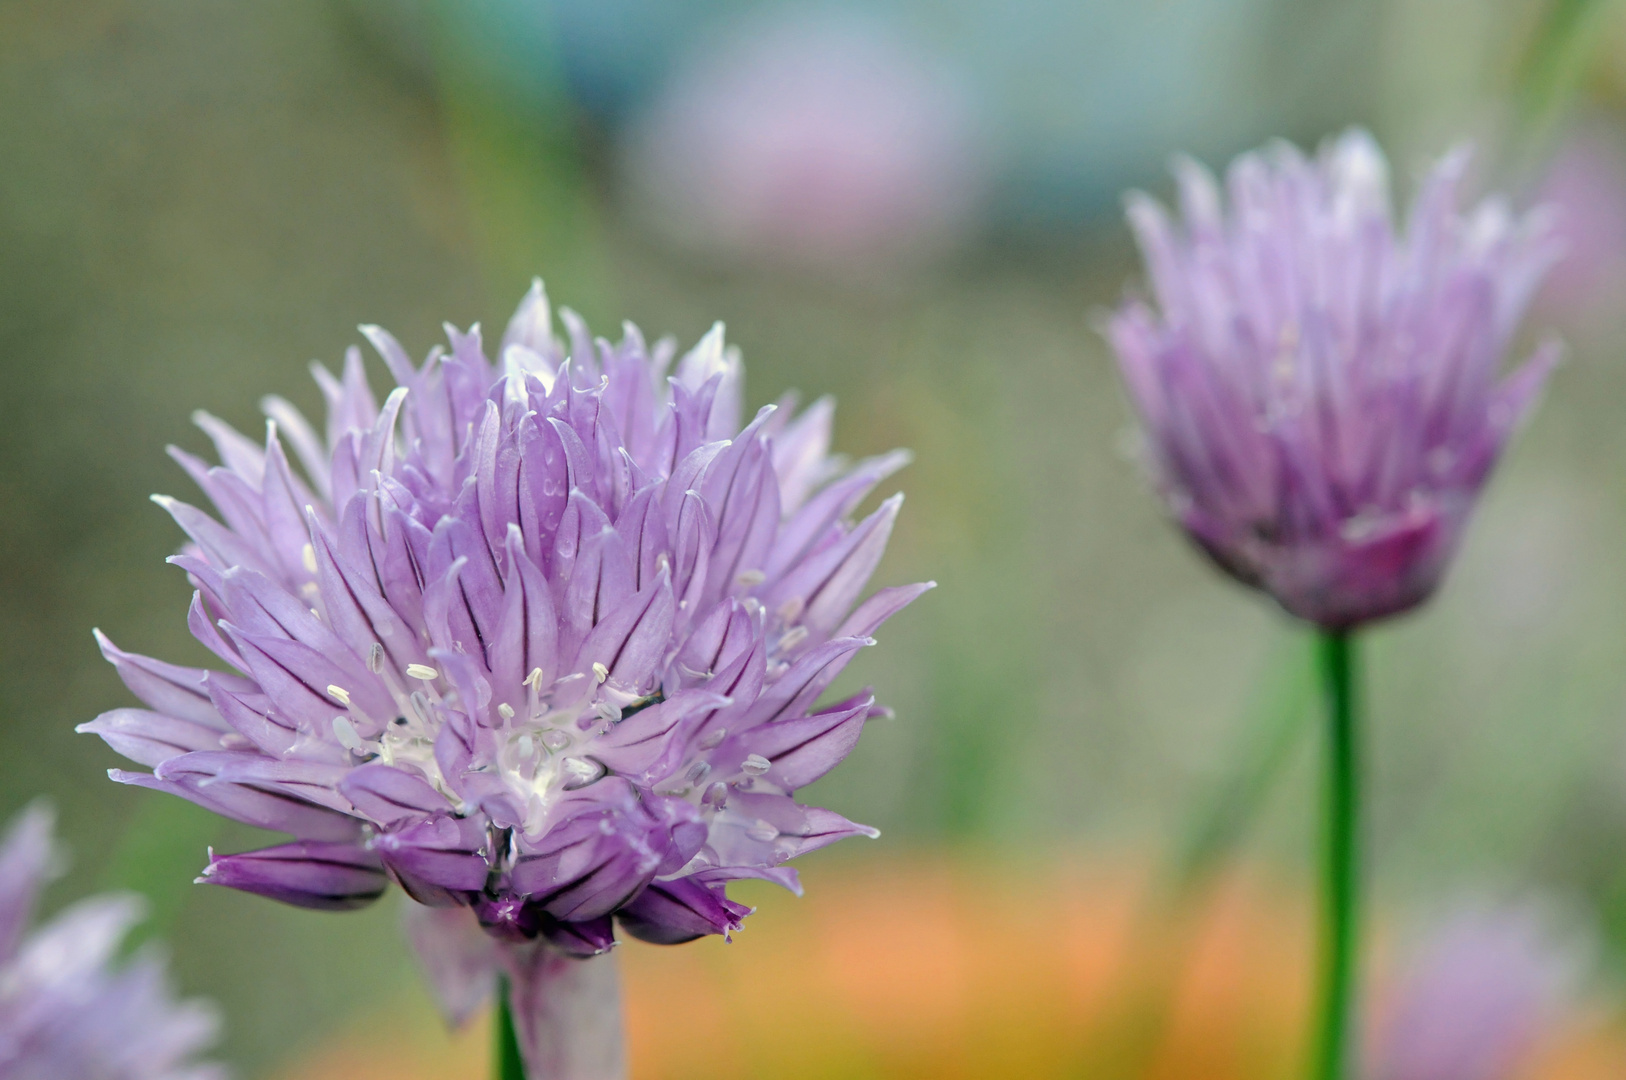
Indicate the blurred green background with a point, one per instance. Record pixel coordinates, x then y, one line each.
196 199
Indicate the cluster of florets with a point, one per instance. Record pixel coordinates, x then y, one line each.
542 638
1320 392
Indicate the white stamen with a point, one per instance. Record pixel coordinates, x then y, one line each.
697 773
534 679
791 610
751 605
751 578
711 742
755 765
375 658
662 561
422 671
527 747
607 710
506 711
339 694
792 638
600 672
308 556
420 703
716 796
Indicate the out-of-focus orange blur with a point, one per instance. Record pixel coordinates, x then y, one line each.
960 967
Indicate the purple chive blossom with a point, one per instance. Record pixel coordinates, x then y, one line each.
67 1012
1480 993
1320 391
541 641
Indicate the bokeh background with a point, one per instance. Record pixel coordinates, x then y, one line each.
1097 796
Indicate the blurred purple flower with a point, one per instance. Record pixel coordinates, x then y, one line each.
1586 187
1477 997
66 1012
1320 392
807 136
539 641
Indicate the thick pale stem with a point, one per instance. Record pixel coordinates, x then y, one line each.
565 1015
1340 860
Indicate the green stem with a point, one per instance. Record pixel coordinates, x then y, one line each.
506 1061
1340 867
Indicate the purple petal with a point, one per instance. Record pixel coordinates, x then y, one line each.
459 959
390 796
672 912
250 805
308 874
167 688
437 857
28 859
150 738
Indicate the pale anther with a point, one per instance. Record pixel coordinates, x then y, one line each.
339 694
345 732
600 672
308 556
422 671
755 765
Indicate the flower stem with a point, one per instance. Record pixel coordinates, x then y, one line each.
1340 859
506 1061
